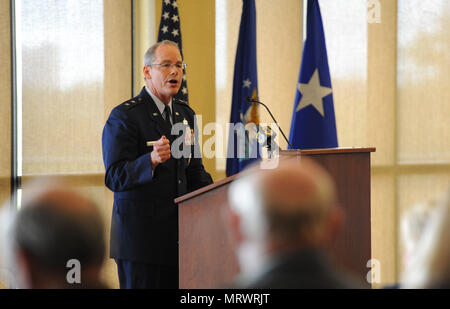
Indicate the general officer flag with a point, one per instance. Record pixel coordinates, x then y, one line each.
242 147
169 29
313 122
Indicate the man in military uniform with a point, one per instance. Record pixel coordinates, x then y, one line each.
145 177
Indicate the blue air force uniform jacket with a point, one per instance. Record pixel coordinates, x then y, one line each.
144 224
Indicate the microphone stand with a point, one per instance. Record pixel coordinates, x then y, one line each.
273 118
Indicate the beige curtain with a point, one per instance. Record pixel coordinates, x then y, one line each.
389 64
76 66
423 109
389 75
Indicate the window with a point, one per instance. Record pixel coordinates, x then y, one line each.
390 91
73 65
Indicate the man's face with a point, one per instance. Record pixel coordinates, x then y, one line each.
164 76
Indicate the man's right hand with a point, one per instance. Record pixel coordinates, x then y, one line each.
161 151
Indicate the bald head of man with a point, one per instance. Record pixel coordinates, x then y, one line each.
56 230
299 202
291 207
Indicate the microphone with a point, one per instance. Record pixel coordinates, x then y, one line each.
273 118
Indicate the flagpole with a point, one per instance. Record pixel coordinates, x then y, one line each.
305 9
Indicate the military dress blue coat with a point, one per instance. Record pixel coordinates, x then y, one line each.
144 224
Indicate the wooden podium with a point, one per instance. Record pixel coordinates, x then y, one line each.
206 250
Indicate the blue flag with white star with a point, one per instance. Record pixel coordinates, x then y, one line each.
313 122
169 29
242 147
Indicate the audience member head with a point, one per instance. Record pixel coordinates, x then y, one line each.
276 211
429 265
56 225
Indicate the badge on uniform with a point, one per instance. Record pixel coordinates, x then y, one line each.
188 137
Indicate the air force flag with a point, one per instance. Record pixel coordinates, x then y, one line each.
242 145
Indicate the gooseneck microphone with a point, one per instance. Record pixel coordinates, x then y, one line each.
256 101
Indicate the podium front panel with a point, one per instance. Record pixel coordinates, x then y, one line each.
207 256
206 250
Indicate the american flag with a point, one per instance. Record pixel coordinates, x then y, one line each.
169 29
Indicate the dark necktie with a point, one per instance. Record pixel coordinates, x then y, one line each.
167 116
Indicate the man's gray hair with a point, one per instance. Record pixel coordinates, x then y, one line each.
149 56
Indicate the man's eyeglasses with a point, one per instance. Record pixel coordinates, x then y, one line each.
168 66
